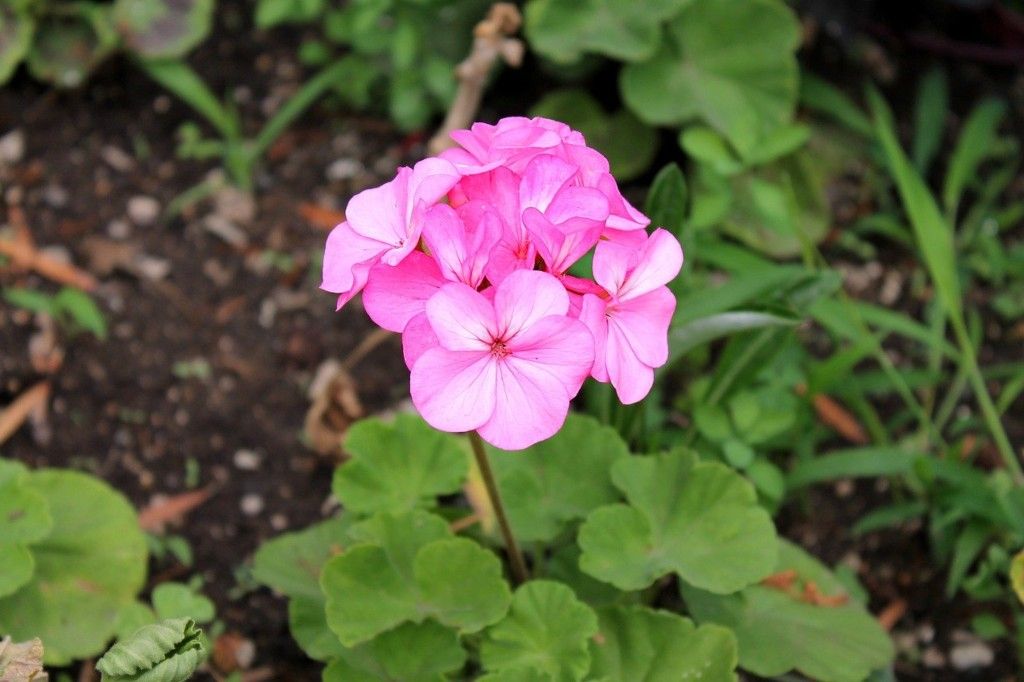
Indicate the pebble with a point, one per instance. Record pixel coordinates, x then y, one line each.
252 504
247 460
12 147
278 522
117 158
971 655
143 210
234 205
152 268
55 196
119 228
344 169
225 229
933 658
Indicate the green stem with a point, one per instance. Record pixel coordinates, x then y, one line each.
515 556
988 410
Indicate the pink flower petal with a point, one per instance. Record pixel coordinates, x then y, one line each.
454 390
526 296
592 314
396 293
660 262
344 251
644 322
381 213
542 180
561 245
461 246
532 406
417 339
631 378
561 346
462 318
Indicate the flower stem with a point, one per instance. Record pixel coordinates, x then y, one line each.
519 571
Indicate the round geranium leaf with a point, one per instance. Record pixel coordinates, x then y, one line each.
412 652
559 480
399 466
638 643
24 514
806 622
700 520
408 568
730 64
90 566
16 566
565 30
291 563
163 29
66 48
546 630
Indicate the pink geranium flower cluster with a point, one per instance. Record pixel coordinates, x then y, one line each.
468 256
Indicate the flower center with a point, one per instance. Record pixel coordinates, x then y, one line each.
499 349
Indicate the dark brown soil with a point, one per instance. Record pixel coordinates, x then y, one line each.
120 409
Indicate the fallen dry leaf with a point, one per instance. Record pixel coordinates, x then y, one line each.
892 613
15 414
320 216
232 652
783 580
834 415
28 257
155 516
813 595
22 662
335 405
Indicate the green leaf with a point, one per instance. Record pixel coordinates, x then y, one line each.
639 643
412 652
410 569
779 632
79 307
546 629
24 514
67 47
565 30
163 29
558 481
629 144
934 236
273 12
700 520
517 675
307 621
16 567
731 65
867 462
564 566
16 30
976 143
175 600
132 617
291 563
169 651
90 566
28 299
1017 575
821 96
666 199
398 467
686 337
930 118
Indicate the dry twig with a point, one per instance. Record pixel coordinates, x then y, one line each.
154 517
491 41
23 406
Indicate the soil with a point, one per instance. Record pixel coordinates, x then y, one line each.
215 358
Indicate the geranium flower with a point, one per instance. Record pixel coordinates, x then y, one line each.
630 319
506 368
383 225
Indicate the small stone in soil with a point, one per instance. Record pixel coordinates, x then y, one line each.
117 158
279 522
143 210
251 504
971 655
119 229
55 196
933 658
247 460
12 147
344 169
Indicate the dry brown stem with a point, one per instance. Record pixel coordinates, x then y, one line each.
491 40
